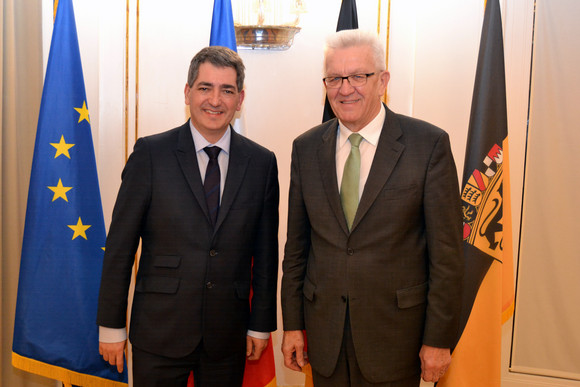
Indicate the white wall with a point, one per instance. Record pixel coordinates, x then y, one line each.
433 53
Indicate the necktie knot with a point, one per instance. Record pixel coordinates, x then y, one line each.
212 151
355 139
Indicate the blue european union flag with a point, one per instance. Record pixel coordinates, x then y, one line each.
222 25
55 331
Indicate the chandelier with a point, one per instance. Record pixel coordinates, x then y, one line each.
267 24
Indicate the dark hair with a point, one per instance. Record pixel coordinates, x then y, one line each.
220 57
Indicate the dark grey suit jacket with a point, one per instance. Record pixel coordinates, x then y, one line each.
399 269
193 281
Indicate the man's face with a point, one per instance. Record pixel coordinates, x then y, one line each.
355 106
213 100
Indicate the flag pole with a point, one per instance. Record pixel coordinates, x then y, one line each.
388 39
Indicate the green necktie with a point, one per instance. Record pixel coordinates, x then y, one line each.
350 180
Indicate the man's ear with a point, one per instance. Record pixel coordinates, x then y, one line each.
384 78
242 96
186 92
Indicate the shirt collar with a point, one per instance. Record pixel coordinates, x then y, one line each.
200 142
370 133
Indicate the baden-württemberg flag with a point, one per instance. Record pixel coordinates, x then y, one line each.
55 331
488 281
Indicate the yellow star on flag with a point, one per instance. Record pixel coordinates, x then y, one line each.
84 113
62 147
59 191
79 229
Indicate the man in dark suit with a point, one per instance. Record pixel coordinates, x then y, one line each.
203 201
373 261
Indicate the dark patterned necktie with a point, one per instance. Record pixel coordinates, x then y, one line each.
211 184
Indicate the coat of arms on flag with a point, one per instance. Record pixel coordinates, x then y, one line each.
482 198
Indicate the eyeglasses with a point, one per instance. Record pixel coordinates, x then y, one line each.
355 80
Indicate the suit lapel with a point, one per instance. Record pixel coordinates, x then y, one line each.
327 162
386 157
187 158
237 166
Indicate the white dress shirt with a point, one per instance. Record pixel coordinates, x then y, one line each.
367 147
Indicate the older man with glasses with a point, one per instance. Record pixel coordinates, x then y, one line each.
373 259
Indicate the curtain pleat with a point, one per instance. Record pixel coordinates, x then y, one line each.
21 86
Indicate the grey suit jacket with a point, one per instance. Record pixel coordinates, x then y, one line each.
399 269
193 280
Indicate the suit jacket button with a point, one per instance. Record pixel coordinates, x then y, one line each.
209 285
212 253
350 251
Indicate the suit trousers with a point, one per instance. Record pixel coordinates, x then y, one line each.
347 372
150 370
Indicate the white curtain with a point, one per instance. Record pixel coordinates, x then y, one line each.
21 86
546 335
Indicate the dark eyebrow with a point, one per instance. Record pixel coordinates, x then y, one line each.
209 84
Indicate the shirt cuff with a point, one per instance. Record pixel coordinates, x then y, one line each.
259 335
112 335
115 335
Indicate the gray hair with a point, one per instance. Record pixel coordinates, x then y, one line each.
219 57
357 38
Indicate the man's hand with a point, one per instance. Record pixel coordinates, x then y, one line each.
255 347
434 362
113 353
293 349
